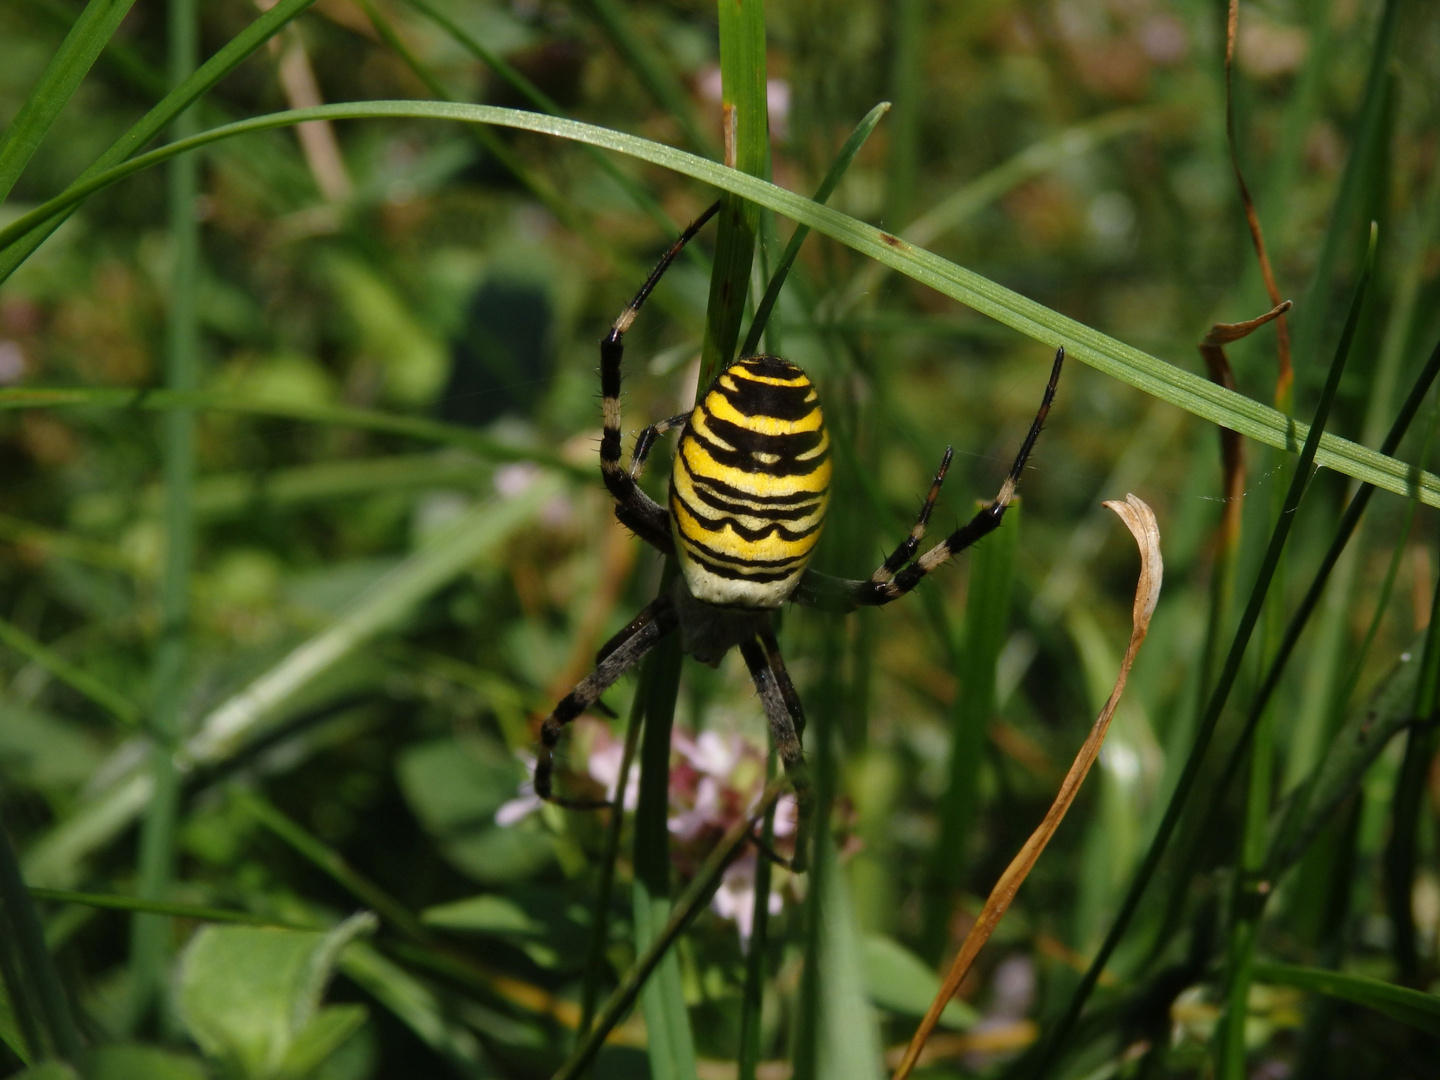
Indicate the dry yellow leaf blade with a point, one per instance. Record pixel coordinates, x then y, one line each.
1140 520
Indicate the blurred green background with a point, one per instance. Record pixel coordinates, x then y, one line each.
289 661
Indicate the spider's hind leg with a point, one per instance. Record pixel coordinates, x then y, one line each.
787 720
621 654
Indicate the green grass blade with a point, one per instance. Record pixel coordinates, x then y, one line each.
987 624
150 935
1153 376
414 427
832 178
67 68
37 990
235 52
1412 1007
1230 671
112 902
742 82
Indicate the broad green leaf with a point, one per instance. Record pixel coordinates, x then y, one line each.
49 1070
455 789
250 996
898 980
1154 376
10 1033
849 1039
1412 1007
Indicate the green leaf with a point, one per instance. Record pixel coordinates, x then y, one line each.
898 980
1191 392
324 1035
251 996
49 1070
235 52
1418 1010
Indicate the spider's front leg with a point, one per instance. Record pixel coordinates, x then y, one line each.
787 721
642 514
619 655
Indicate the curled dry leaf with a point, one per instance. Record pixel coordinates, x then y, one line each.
1140 520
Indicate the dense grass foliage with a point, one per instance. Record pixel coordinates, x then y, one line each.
302 532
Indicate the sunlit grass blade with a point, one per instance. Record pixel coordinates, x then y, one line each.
54 858
1153 376
89 34
1228 674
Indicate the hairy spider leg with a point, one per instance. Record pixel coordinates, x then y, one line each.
636 510
777 694
906 551
842 594
652 624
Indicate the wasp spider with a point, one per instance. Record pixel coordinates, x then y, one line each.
748 491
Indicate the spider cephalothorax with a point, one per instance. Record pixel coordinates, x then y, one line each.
748 492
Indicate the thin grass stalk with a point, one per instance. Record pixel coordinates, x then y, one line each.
150 934
235 52
1047 1051
88 35
545 103
687 906
1369 137
605 886
1162 380
653 72
831 180
906 87
120 707
671 1045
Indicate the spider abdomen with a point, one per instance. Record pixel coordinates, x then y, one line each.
750 484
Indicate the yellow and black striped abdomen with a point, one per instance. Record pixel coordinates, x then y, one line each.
750 484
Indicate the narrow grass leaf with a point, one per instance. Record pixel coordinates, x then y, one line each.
89 34
1412 1007
1191 392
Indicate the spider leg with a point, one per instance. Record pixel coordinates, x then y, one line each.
771 682
906 551
782 677
649 627
647 518
646 440
842 594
